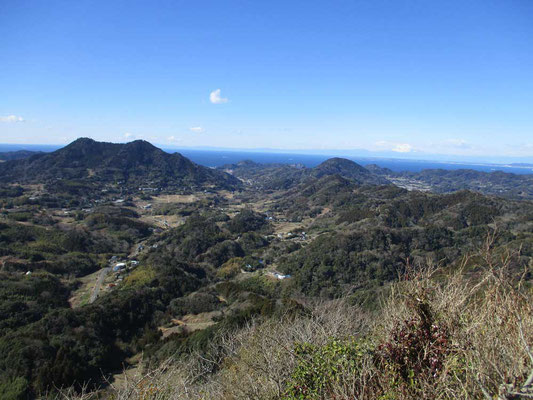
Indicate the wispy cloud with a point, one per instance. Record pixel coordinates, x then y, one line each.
11 118
458 143
173 139
402 148
129 135
396 147
215 98
197 129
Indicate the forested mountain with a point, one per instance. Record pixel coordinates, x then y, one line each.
284 176
347 169
132 164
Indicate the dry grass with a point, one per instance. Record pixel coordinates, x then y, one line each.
489 329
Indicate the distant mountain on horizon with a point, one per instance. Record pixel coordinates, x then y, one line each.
498 183
521 164
17 155
136 163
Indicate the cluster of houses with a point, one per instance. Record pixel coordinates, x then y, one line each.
120 267
251 268
278 275
271 218
301 236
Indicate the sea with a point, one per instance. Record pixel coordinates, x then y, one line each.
212 158
217 158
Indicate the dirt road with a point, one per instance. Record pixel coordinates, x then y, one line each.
99 282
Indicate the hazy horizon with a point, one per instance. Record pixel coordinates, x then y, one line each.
361 154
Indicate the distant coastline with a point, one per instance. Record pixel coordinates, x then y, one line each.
217 158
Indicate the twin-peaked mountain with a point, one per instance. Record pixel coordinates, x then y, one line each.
137 163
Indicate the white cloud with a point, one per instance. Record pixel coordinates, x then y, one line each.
173 139
197 129
11 118
458 143
402 148
397 147
129 135
214 97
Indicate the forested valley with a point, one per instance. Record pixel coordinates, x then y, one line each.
130 273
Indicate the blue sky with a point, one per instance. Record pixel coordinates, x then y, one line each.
409 78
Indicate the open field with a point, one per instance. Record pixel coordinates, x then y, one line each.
190 323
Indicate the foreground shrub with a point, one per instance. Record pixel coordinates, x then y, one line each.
416 347
320 369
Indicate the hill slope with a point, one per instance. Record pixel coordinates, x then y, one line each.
285 176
